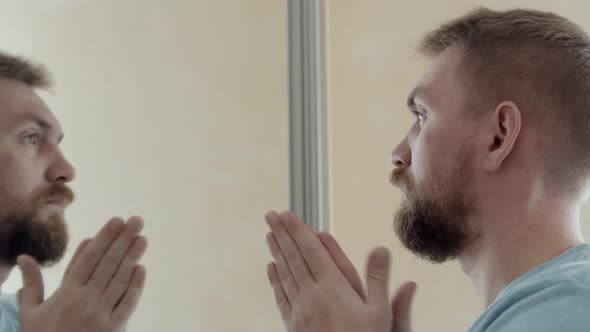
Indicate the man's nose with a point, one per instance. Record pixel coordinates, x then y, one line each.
401 156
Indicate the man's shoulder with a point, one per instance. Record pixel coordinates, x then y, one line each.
557 304
554 297
9 303
9 313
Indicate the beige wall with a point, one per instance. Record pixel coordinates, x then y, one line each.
175 110
372 67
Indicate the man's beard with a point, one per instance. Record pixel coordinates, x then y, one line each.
433 220
22 231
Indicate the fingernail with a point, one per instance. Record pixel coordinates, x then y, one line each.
381 258
135 224
284 217
268 219
19 261
116 224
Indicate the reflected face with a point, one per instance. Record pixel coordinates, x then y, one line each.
434 166
33 177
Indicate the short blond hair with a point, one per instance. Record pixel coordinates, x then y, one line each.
541 61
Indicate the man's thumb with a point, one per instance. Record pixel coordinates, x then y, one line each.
378 277
32 293
401 305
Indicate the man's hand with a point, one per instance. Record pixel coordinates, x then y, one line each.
100 288
318 289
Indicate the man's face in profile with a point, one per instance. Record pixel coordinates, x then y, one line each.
33 177
434 168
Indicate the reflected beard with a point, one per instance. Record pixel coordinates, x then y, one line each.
23 232
45 241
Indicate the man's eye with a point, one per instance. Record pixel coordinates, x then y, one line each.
421 117
32 139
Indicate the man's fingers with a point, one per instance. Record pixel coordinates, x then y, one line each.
32 293
82 269
128 303
111 260
75 256
307 244
290 250
280 297
284 275
401 306
120 282
378 278
343 263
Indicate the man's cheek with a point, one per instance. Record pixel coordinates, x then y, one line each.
422 160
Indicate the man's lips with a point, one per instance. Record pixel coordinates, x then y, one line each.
58 202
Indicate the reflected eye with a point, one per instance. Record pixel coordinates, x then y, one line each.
32 139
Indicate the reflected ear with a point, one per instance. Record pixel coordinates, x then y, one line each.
506 124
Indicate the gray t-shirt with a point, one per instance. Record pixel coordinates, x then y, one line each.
554 296
9 313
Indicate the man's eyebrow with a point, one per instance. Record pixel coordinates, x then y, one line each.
418 90
30 117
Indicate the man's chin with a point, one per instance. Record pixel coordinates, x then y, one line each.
46 238
50 217
419 233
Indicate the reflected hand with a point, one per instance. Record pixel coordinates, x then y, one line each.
318 289
100 289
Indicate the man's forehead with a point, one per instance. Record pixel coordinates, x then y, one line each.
439 79
19 103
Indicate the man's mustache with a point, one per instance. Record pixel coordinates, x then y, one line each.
58 192
398 177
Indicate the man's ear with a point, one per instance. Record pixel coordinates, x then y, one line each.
504 131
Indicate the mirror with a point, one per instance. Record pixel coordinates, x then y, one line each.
177 112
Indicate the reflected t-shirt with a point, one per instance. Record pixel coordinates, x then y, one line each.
9 313
554 296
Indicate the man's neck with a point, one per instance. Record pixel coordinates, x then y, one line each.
516 242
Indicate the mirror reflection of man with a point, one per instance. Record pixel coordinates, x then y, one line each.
103 282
